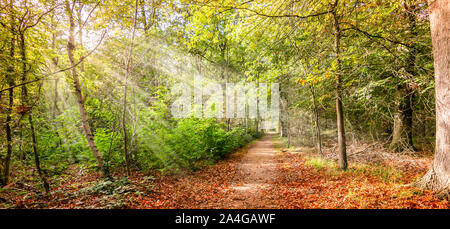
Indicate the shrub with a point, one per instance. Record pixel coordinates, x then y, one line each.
191 143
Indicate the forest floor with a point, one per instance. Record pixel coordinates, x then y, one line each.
261 175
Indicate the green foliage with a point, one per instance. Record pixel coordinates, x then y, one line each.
320 163
191 143
108 187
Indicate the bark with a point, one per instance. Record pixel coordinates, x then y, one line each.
288 128
144 17
148 20
124 111
36 157
77 90
316 120
10 79
30 117
342 151
55 101
7 161
246 120
402 131
402 137
80 30
133 141
283 118
283 129
287 125
56 111
438 177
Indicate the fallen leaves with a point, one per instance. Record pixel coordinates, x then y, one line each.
304 186
297 184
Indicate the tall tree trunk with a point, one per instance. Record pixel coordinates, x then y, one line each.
134 136
288 128
56 111
30 117
80 30
76 83
144 17
10 79
55 101
125 89
36 157
283 129
339 108
55 62
283 118
402 137
438 177
7 161
246 119
402 131
316 120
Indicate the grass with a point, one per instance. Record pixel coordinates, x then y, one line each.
278 142
385 173
320 163
407 194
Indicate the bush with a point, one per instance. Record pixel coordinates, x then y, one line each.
191 143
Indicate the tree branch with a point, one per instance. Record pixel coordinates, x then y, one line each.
59 71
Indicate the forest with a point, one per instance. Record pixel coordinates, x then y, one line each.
247 104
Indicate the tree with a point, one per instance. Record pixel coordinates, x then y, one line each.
342 150
77 88
402 136
127 73
316 120
11 82
438 177
21 30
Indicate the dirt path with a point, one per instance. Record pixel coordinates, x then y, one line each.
256 171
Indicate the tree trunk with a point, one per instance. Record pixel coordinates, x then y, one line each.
438 177
56 111
124 111
246 123
5 178
316 117
402 132
288 128
55 62
80 30
283 129
36 157
283 118
402 137
10 79
339 108
76 83
30 117
144 17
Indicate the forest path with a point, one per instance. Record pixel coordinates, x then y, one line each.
256 171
